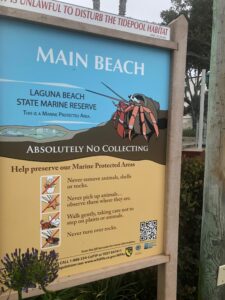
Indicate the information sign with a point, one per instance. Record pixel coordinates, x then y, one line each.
83 135
83 145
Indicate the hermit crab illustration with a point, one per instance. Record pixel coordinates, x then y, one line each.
136 116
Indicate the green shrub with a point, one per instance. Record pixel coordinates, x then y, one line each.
189 132
115 288
190 227
146 282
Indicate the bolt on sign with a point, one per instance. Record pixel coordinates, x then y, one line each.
88 100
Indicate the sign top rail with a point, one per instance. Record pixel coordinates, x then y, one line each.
89 16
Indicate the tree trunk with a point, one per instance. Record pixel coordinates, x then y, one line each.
96 4
20 295
122 7
213 219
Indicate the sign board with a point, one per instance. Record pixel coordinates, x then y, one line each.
88 16
83 132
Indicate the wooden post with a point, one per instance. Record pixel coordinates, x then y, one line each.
201 112
213 220
167 273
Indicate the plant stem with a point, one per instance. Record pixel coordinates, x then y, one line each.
20 295
48 293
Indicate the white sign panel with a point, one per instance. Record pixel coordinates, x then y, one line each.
89 16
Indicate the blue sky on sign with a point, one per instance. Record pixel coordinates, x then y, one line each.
19 84
146 10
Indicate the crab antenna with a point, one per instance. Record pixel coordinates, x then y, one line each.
105 95
108 87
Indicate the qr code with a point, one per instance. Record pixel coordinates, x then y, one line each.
148 230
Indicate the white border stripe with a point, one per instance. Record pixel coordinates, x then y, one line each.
92 17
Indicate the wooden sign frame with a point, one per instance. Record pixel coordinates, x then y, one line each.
166 262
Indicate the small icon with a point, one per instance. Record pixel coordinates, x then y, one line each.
50 184
50 202
147 246
50 238
50 221
138 247
129 251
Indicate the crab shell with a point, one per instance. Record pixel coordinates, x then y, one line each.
151 104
